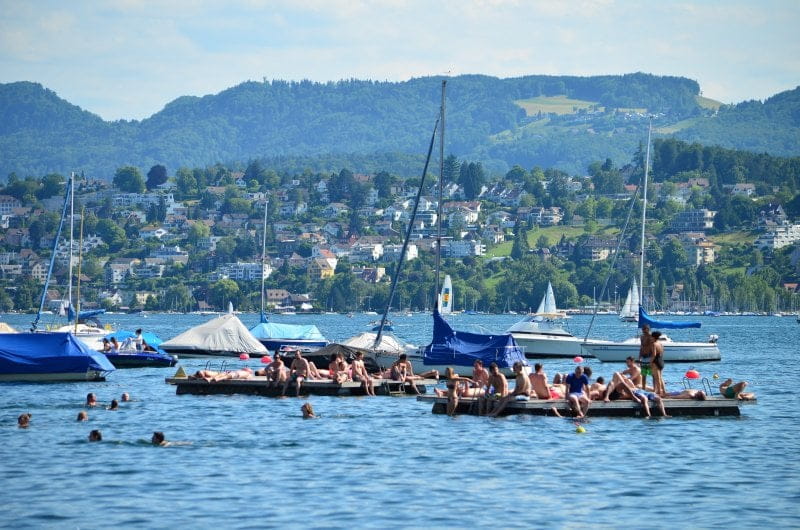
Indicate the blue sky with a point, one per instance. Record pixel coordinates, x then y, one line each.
126 59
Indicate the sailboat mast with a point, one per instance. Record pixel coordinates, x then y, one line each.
264 257
80 261
644 214
441 184
71 235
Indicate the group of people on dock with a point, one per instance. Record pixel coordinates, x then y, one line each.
279 375
491 388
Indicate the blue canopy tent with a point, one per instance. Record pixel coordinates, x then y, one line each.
49 357
644 318
462 348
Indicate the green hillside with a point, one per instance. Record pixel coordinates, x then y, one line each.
386 125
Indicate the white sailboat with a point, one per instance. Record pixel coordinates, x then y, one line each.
446 296
541 333
617 351
630 309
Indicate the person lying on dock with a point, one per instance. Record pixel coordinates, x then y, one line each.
298 372
689 393
210 376
578 392
496 389
522 390
538 380
735 391
644 396
360 374
619 388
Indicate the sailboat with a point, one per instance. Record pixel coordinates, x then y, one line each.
630 309
50 356
453 348
541 334
276 336
611 351
446 296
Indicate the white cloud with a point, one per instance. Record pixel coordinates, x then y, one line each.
128 58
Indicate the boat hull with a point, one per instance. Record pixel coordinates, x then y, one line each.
62 377
687 352
141 360
538 346
276 344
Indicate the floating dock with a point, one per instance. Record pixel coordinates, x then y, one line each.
258 385
713 406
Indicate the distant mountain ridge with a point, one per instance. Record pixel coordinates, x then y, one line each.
354 120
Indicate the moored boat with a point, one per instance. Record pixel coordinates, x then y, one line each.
49 357
224 336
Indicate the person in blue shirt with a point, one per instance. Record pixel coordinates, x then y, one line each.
578 392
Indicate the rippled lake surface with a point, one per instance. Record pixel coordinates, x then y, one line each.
379 462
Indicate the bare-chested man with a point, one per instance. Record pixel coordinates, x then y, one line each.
480 375
522 387
496 388
616 389
276 372
538 381
360 374
298 372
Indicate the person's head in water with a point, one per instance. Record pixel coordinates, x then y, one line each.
126 396
307 410
91 400
83 416
95 436
158 438
114 405
24 420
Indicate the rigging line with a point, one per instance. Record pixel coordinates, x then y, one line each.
613 261
405 241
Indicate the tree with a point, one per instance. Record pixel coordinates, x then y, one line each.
383 183
156 176
224 291
198 231
129 179
520 247
52 184
111 234
178 298
186 183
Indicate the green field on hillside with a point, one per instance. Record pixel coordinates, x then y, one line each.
742 237
553 234
708 103
553 104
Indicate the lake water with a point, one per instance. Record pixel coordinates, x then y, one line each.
380 462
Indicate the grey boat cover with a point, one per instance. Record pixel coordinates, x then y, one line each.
222 334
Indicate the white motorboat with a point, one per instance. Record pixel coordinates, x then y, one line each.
618 351
542 335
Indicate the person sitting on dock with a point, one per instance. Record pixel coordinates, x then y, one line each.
402 371
360 374
619 387
298 372
275 372
597 389
538 381
338 368
480 375
496 389
522 390
735 391
578 392
633 372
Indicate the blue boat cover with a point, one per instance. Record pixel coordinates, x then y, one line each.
150 338
461 348
270 330
644 318
83 314
48 353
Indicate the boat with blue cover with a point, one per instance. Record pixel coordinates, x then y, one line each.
275 336
50 356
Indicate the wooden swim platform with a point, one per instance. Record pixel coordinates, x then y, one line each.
257 385
713 406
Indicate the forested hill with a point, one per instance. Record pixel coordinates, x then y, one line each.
551 121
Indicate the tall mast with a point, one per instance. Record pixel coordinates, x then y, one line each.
80 260
71 222
264 259
439 202
644 214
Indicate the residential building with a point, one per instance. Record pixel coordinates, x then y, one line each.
778 237
693 221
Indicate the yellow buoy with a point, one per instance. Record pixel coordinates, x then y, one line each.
716 376
579 429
